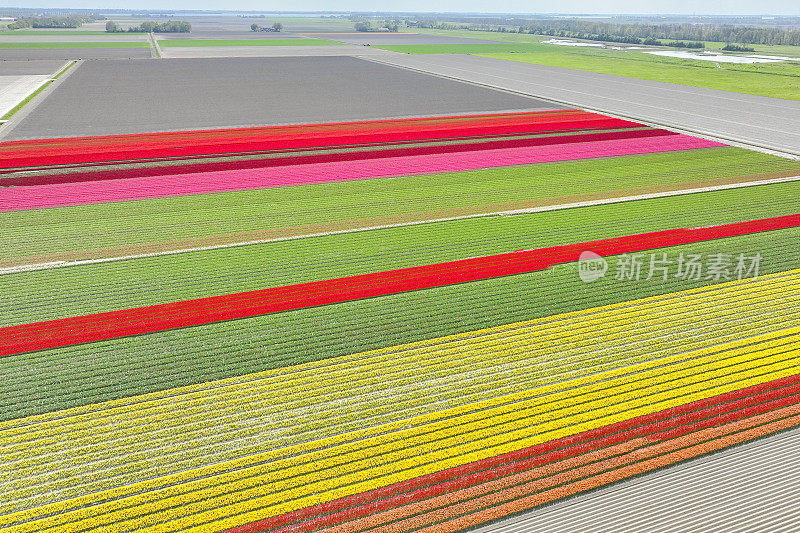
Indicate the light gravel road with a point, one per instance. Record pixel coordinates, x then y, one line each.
15 89
751 487
755 120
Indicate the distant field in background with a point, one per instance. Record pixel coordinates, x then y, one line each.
322 22
110 97
64 32
467 48
532 38
778 80
113 44
246 42
64 54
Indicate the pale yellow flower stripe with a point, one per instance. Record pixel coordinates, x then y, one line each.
239 450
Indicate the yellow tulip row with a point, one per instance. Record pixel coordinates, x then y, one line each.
378 371
109 408
127 457
560 414
233 499
460 353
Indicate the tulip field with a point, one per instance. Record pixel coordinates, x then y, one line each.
383 325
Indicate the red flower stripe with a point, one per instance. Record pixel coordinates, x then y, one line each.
603 473
165 145
160 317
559 480
368 126
711 412
294 159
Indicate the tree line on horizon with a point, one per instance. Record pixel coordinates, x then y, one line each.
72 21
634 33
149 26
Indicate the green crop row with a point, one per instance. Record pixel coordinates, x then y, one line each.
78 375
241 215
48 294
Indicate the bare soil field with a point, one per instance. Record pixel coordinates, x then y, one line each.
758 120
238 34
111 97
396 38
72 38
271 51
24 68
64 54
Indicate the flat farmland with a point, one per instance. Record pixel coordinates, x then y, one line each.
777 79
248 42
71 44
759 120
287 50
243 33
111 97
61 33
107 38
24 68
64 54
379 325
400 39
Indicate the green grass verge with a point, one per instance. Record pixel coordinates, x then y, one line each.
154 45
23 103
246 42
353 204
79 375
49 294
101 44
778 80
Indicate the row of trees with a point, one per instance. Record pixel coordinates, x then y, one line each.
386 25
627 32
50 22
275 27
737 48
149 26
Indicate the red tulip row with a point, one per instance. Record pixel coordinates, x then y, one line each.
657 427
116 148
334 157
160 317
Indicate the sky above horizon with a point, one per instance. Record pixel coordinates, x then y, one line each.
687 7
